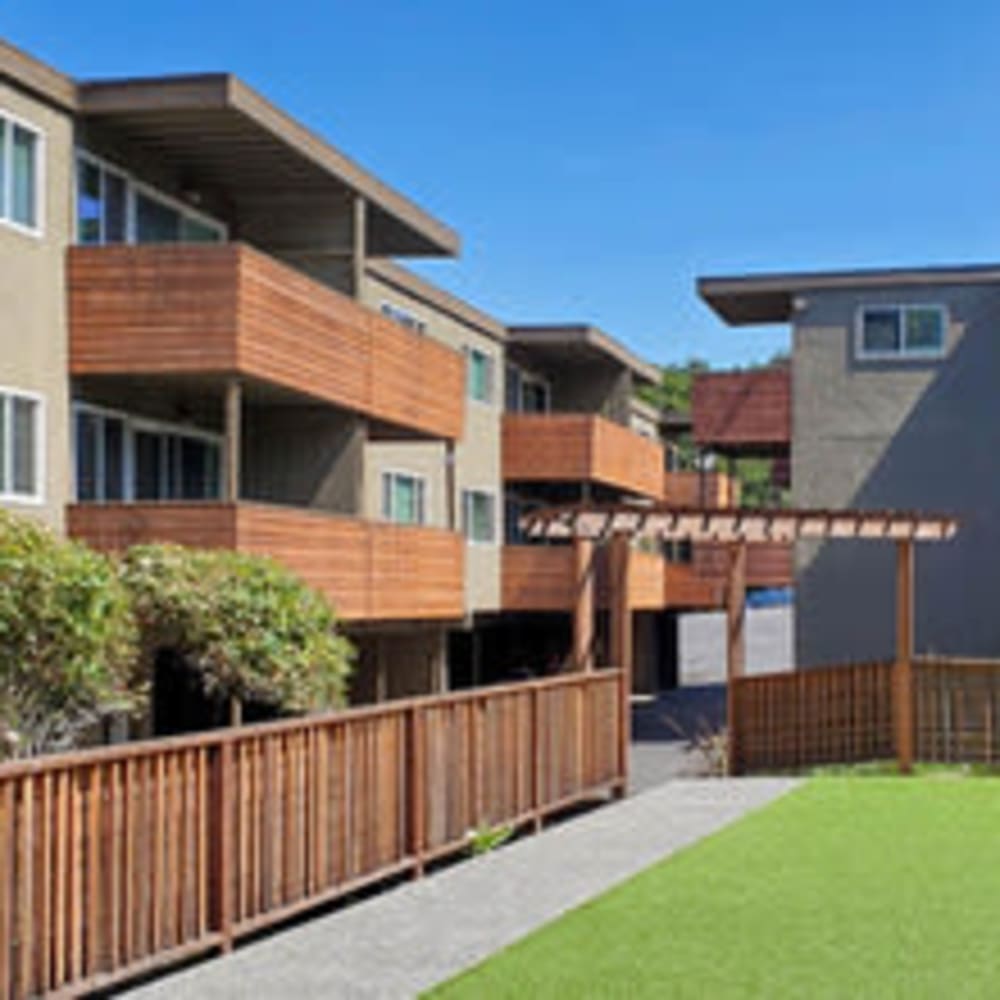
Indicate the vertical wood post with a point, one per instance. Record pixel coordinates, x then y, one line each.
536 759
735 646
621 645
224 846
417 788
583 607
902 693
234 429
359 244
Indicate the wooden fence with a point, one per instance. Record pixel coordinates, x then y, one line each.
117 861
845 715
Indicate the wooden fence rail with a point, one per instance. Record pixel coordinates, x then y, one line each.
844 715
116 861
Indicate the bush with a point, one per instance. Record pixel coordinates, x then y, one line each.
245 625
67 638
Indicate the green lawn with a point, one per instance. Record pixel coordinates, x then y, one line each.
848 887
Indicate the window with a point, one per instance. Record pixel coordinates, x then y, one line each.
20 174
479 368
479 516
403 498
20 446
119 457
526 393
403 317
112 207
916 331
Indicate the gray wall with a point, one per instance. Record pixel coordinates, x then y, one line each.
905 435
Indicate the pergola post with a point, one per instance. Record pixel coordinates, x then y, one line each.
583 604
903 668
735 646
621 643
234 427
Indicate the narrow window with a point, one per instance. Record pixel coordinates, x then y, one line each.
480 375
479 515
20 446
24 174
403 499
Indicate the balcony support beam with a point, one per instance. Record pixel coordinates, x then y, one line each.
360 244
620 557
234 435
583 605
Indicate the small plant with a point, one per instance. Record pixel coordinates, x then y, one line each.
486 838
710 742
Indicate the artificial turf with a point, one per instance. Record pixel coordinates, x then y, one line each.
847 887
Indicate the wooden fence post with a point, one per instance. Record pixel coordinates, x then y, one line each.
902 689
536 758
224 846
735 648
417 789
621 646
583 604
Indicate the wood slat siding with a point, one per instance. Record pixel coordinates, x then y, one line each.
369 570
570 447
828 715
228 309
541 578
693 489
115 862
743 409
769 564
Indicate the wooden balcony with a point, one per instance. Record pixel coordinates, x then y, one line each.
696 489
570 447
541 578
369 570
743 412
230 310
769 564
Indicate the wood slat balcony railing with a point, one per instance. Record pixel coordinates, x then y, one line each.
743 411
368 569
697 489
579 448
541 578
769 564
230 310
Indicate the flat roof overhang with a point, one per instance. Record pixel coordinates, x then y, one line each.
555 345
218 133
749 300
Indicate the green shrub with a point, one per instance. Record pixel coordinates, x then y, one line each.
67 638
247 626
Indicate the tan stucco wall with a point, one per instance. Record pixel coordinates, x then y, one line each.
33 335
477 455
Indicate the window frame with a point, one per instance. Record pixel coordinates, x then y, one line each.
424 493
9 119
469 350
134 187
7 495
131 423
861 353
467 493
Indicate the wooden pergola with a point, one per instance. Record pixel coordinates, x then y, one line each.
616 525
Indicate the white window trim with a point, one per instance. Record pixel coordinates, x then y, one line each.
406 474
132 423
8 118
486 491
134 186
36 498
469 350
921 354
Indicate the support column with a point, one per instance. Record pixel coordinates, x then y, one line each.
451 513
359 244
735 645
583 607
903 670
621 644
234 435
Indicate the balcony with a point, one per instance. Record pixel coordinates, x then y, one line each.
580 448
229 310
541 578
696 489
769 564
743 412
370 570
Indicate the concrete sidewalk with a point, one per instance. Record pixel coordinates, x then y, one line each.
410 938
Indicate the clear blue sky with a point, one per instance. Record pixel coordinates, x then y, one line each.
596 156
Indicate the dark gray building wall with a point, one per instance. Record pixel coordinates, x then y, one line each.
603 389
905 434
304 455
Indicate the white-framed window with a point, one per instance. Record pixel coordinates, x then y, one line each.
22 174
114 207
22 446
479 516
120 457
404 498
905 331
403 317
480 375
526 393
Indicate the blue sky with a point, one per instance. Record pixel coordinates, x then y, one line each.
596 157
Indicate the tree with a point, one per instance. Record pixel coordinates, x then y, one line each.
249 628
67 639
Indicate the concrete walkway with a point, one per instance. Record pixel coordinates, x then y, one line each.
410 938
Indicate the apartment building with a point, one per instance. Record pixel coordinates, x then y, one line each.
893 407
